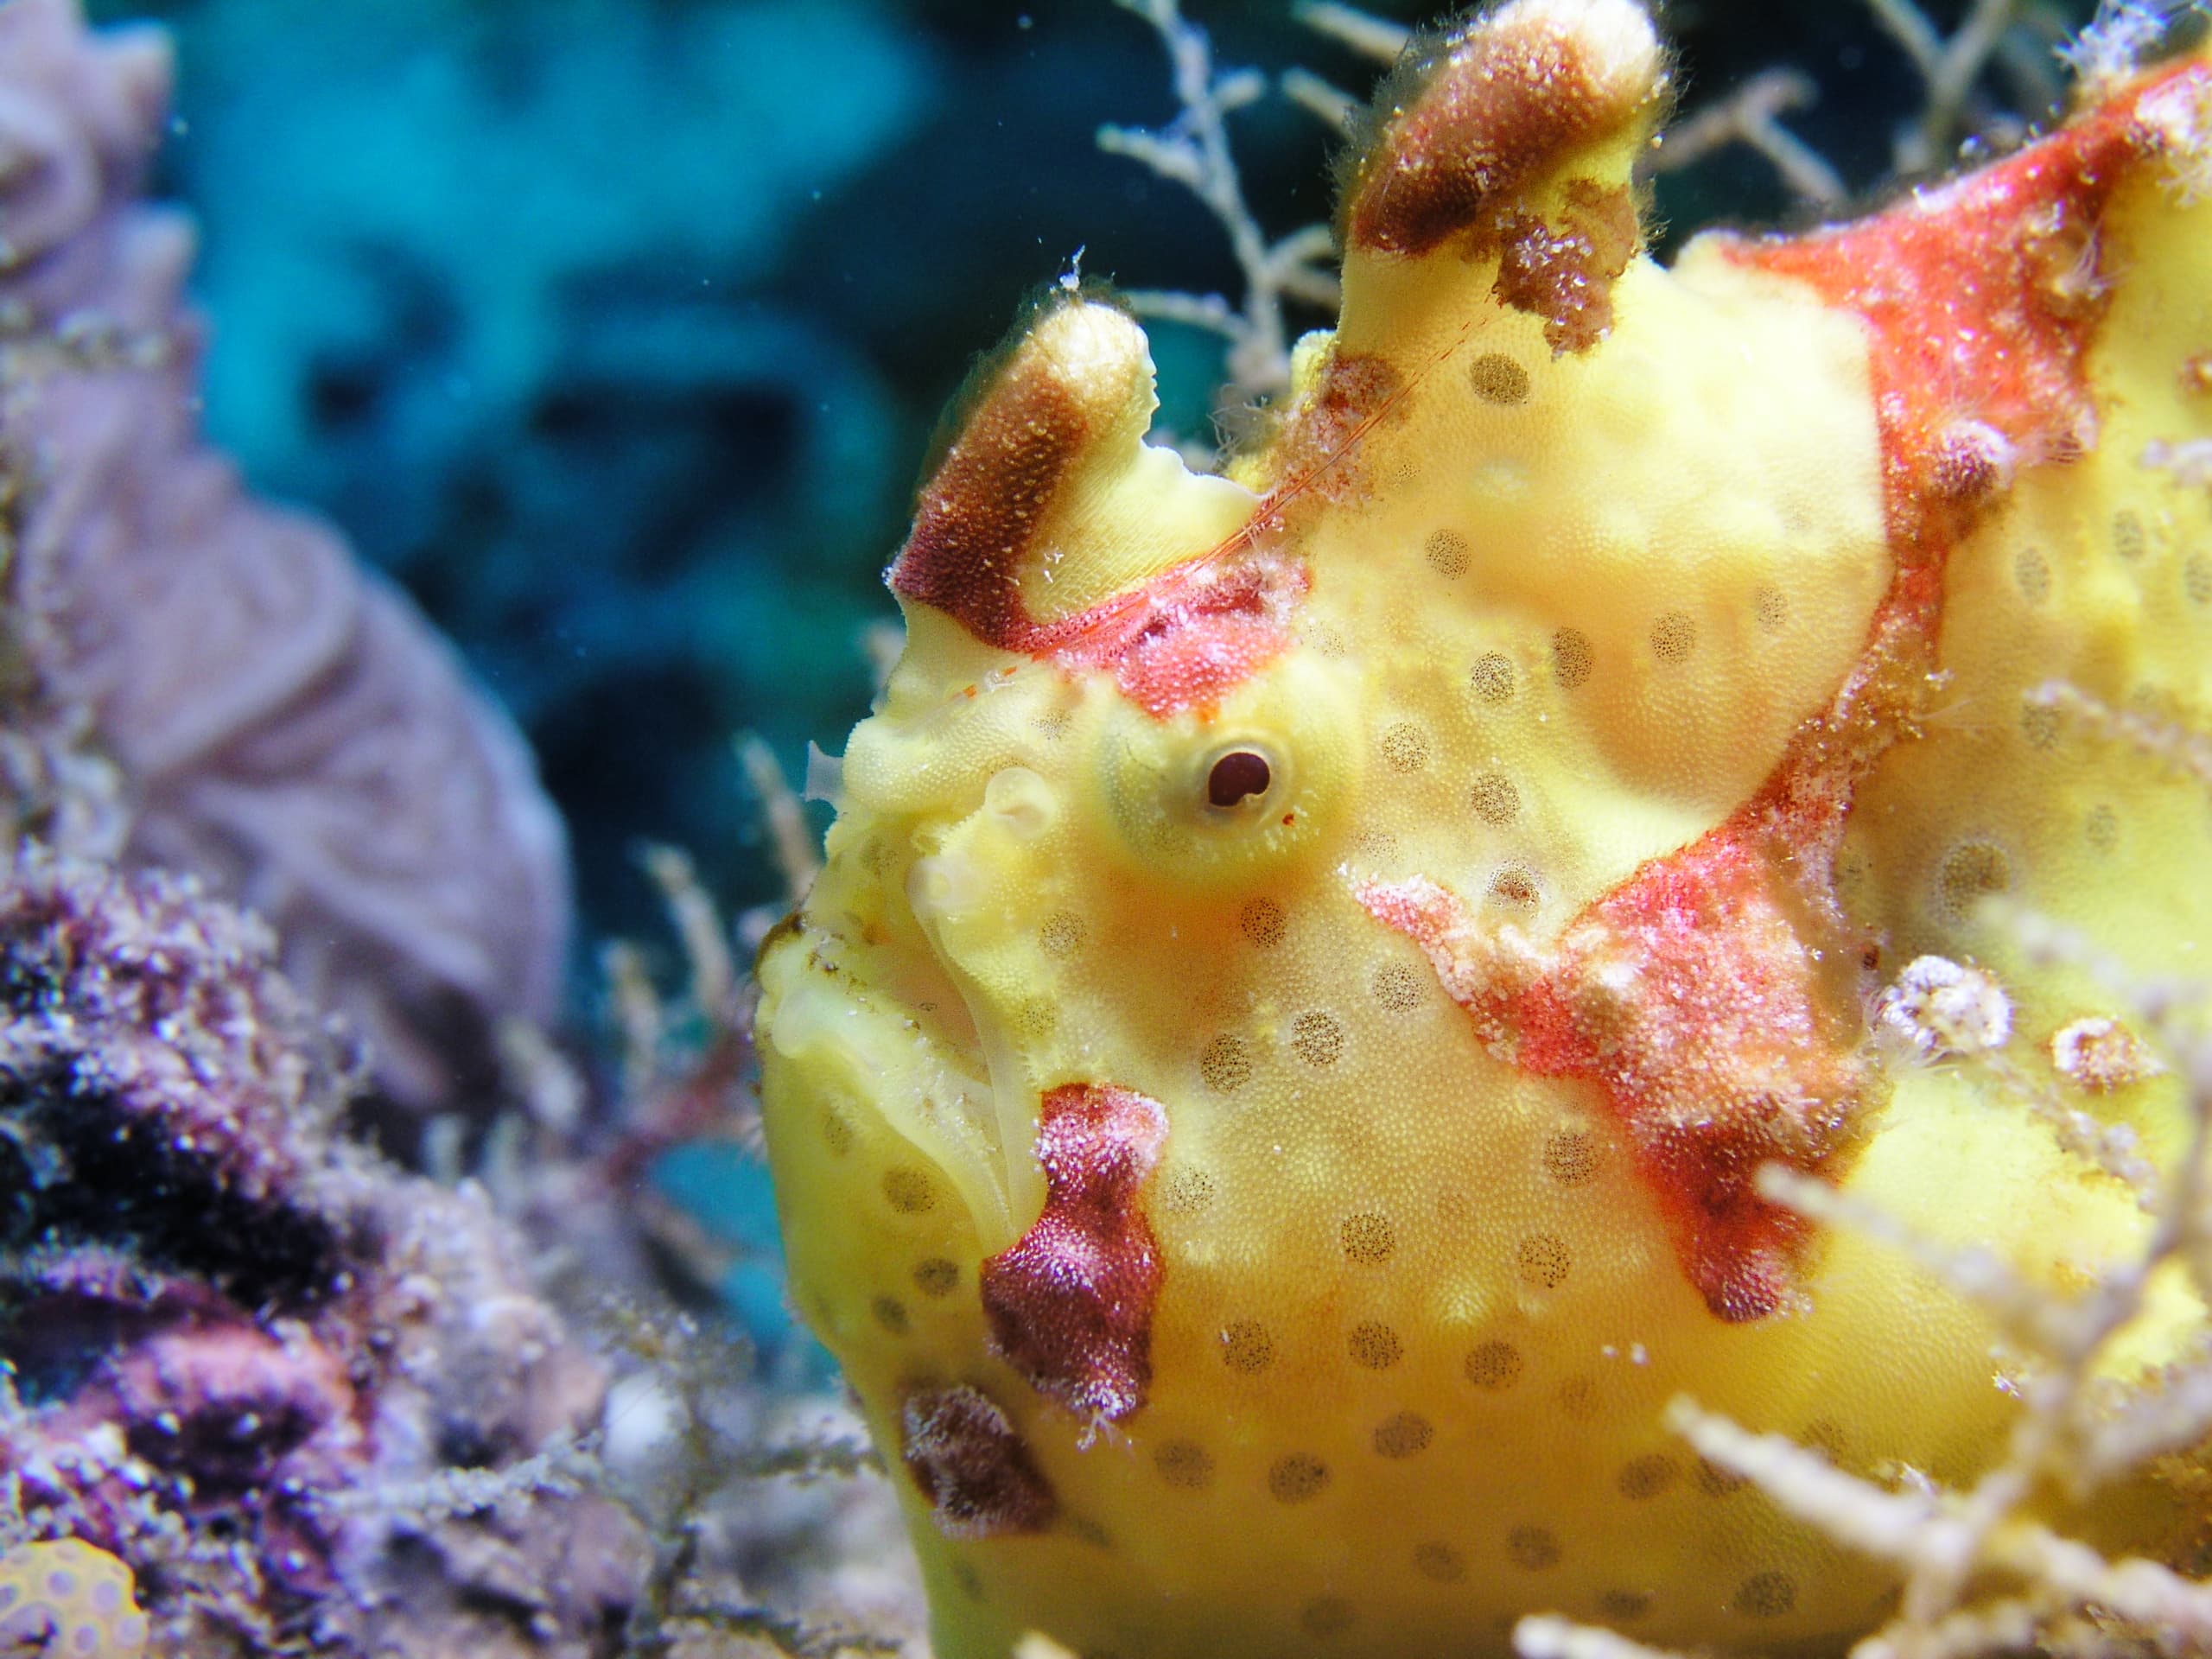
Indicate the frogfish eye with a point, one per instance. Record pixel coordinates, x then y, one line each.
1236 777
1230 798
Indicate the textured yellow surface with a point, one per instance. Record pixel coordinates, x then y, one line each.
65 1596
1412 1308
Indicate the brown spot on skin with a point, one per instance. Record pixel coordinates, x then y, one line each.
1674 637
1766 1595
1715 1481
1484 111
1495 799
1496 379
1570 1157
2128 538
1184 1464
935 1276
973 1467
908 1191
1446 551
1070 1302
1263 921
1564 273
1404 748
2101 827
1187 1192
1439 1563
1971 872
1579 1398
1532 1548
1515 888
1405 1435
1226 1064
1369 1240
1374 1346
1493 678
1572 657
1246 1346
1494 1365
1295 1478
1648 1476
1397 989
1544 1261
1317 1039
973 526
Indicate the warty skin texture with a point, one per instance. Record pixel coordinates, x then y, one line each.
1265 1094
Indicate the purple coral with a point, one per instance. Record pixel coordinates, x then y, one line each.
284 724
295 1390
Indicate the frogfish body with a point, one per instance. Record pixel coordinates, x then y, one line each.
1267 1095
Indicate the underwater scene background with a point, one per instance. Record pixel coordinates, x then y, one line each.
617 334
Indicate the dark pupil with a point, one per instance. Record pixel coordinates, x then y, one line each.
1236 777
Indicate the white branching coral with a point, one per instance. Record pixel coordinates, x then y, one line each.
1193 151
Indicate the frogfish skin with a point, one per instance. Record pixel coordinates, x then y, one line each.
1267 1096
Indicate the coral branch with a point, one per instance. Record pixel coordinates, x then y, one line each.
1194 152
1751 116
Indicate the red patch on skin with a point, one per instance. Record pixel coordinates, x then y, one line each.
1714 996
1981 298
973 1466
1070 1302
1188 638
1688 997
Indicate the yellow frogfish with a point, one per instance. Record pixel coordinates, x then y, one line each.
1268 1096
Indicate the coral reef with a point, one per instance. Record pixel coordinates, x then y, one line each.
302 1395
260 1391
280 721
1341 987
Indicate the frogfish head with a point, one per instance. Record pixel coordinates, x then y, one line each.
1272 1078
